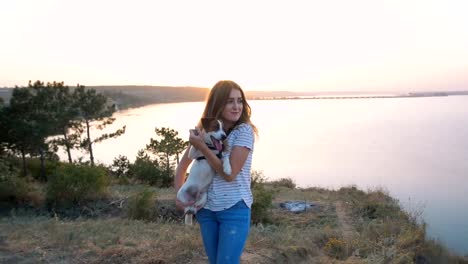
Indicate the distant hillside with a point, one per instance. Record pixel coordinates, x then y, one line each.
130 96
135 96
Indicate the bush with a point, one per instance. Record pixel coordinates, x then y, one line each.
336 248
120 167
73 184
7 170
140 206
15 190
263 201
148 171
257 178
34 168
378 210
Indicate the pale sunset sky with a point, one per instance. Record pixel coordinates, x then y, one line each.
359 45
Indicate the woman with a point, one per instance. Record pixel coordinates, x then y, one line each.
225 218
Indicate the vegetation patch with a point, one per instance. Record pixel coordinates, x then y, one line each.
141 205
75 184
145 228
283 182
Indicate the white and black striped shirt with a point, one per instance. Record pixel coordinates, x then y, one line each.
223 194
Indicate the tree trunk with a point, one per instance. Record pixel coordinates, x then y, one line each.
90 147
167 165
177 157
67 145
43 174
23 156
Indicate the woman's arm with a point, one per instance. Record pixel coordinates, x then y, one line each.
237 158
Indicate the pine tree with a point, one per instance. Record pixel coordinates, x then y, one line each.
169 145
93 107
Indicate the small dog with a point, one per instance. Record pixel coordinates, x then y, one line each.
201 173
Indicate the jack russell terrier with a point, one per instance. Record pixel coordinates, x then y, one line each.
201 173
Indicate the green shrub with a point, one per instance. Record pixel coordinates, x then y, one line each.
73 184
148 171
262 198
375 209
375 204
140 206
120 167
34 167
257 178
263 201
15 190
7 170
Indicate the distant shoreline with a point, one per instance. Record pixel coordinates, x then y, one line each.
350 97
324 97
127 97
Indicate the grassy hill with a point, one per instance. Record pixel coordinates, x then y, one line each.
344 226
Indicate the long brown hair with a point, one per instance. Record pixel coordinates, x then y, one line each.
217 100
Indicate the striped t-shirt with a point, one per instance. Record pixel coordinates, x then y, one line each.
223 194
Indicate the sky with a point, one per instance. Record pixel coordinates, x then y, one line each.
359 45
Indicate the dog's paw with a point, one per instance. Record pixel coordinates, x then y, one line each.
227 170
190 210
227 167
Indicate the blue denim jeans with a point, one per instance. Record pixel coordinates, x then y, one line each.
225 232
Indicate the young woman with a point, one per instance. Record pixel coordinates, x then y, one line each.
225 218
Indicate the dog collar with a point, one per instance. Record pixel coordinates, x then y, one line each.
219 155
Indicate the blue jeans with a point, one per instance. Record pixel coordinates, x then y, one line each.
225 232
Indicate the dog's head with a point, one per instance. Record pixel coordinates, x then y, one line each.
214 133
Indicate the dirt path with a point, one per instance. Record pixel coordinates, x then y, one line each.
344 220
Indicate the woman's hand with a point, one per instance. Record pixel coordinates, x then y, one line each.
196 138
181 206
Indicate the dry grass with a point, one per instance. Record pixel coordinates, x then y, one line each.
100 241
381 233
125 191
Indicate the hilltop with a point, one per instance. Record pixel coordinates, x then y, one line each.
343 226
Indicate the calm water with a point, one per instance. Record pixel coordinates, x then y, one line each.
416 148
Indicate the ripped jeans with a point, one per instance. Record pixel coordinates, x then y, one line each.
225 232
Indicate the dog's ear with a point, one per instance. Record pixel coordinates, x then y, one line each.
207 123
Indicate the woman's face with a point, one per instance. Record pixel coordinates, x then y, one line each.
233 109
